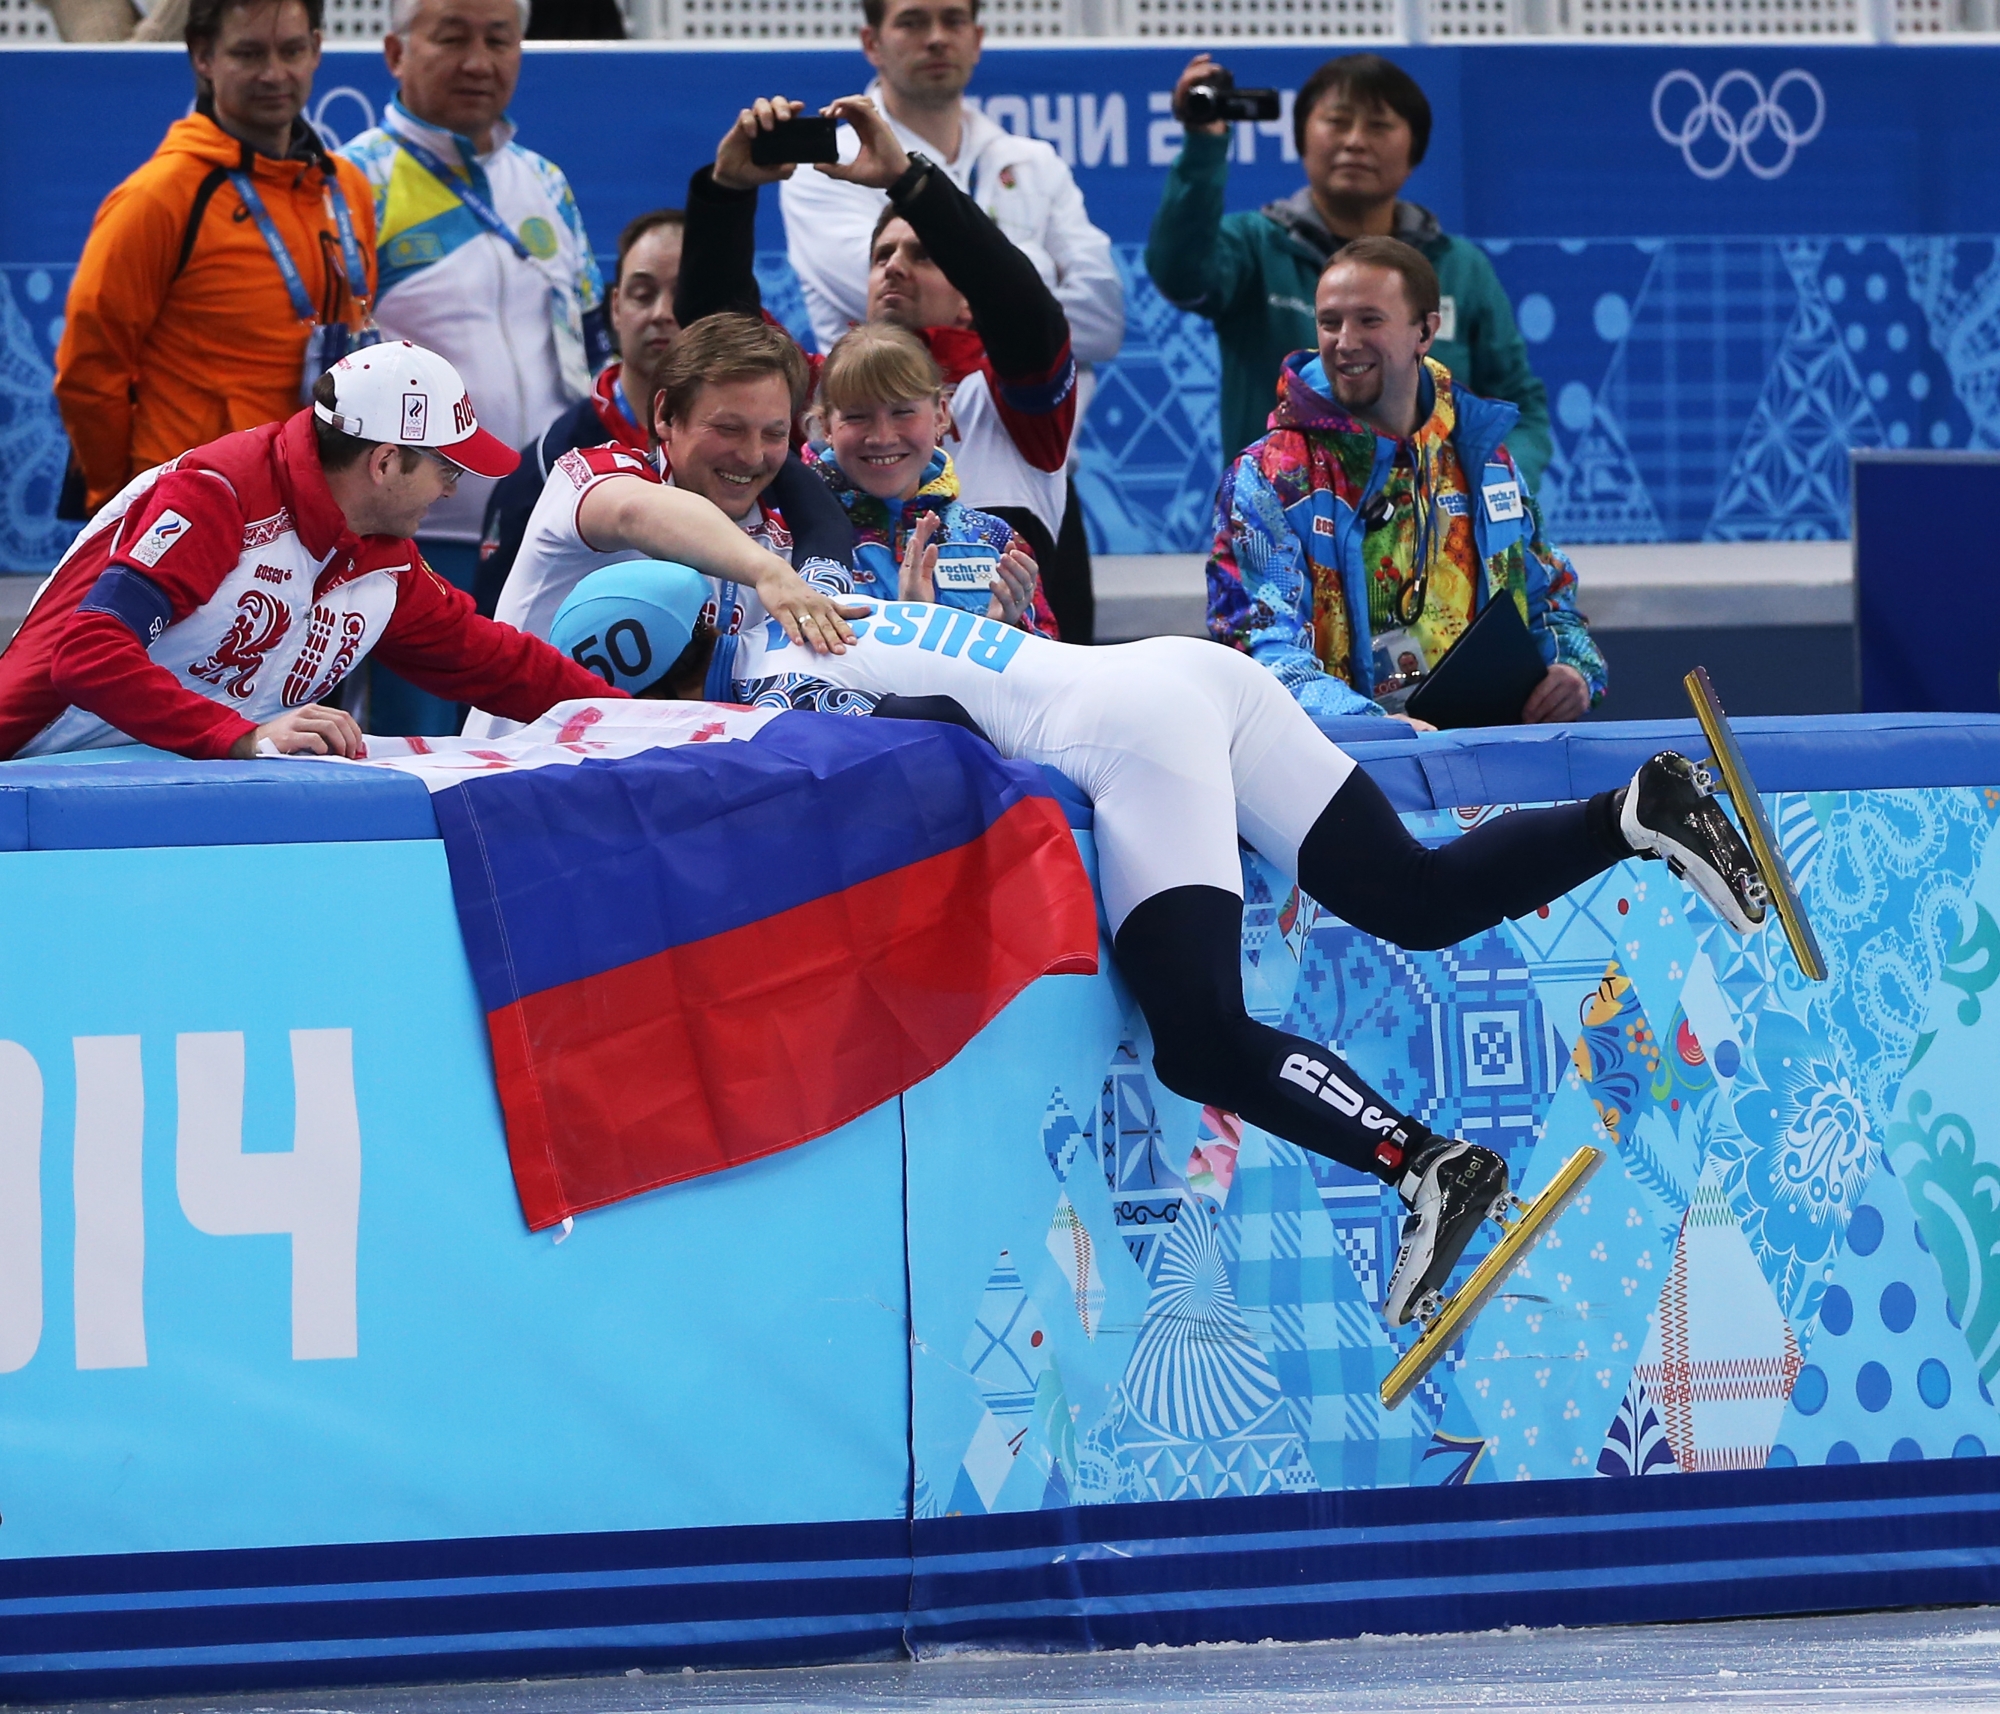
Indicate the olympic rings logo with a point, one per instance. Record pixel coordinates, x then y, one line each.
328 134
1739 122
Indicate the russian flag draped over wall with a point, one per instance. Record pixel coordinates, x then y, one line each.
693 952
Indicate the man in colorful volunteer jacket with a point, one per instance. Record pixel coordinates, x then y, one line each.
1361 125
482 257
1355 542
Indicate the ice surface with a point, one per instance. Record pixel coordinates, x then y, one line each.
1945 1662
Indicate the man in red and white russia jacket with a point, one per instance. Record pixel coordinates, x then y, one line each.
215 602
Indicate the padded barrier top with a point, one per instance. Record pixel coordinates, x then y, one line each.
111 799
132 796
1549 764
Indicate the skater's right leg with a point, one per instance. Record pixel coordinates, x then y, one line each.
1161 754
1156 762
1302 805
1360 862
1181 952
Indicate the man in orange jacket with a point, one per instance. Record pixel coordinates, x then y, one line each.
240 255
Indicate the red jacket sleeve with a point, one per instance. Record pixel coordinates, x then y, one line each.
1039 410
437 639
191 531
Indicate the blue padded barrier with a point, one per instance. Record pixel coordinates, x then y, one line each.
1077 809
1546 764
141 798
718 1425
163 801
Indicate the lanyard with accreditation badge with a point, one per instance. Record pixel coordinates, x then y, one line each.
460 185
327 345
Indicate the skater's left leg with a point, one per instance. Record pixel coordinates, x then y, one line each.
1302 805
1364 865
1305 806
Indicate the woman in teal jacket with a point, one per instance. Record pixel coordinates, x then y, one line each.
1362 126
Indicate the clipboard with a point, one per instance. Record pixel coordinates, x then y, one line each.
1483 679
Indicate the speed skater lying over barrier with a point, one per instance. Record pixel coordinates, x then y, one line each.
1182 745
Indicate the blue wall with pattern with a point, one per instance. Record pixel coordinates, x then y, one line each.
1717 325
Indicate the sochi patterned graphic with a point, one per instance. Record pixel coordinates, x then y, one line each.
1784 1260
1700 389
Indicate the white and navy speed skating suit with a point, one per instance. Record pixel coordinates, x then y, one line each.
1182 746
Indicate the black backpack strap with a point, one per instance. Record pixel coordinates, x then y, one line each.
216 179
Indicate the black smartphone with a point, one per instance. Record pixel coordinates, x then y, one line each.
802 139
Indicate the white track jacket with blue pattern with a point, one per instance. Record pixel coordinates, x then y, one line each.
525 333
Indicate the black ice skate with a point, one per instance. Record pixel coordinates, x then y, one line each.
1780 890
1449 1187
1521 1227
1670 812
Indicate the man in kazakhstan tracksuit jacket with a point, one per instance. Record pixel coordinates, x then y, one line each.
1316 535
521 315
483 258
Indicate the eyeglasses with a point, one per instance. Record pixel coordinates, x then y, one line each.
452 472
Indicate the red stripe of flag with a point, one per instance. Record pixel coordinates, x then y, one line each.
716 1052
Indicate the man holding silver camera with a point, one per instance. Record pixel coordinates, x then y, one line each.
1361 124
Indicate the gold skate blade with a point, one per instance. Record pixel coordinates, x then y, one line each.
1491 1274
1742 790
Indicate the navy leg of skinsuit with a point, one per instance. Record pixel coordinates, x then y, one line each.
1179 947
1181 952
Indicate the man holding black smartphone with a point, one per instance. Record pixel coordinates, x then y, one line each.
939 267
924 53
1362 125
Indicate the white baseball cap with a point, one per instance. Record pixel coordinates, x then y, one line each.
403 395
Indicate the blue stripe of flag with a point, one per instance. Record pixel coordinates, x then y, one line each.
563 873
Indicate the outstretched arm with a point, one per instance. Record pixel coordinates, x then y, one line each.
669 523
1017 317
718 253
719 247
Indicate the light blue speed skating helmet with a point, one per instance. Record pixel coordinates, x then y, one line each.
629 622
